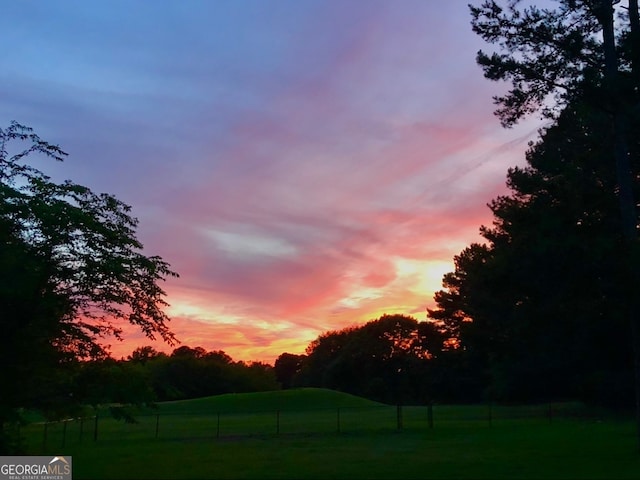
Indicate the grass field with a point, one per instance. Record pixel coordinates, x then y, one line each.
315 433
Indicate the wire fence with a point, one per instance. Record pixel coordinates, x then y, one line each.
226 425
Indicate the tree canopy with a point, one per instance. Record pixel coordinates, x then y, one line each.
586 51
390 359
71 269
539 305
551 55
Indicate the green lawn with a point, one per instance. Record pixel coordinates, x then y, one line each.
303 441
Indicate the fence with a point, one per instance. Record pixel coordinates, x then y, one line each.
187 425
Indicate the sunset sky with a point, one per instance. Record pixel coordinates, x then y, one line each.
304 165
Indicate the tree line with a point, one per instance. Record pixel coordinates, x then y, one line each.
148 376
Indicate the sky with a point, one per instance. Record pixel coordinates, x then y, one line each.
304 165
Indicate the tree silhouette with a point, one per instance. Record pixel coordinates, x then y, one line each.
286 367
580 49
193 372
71 267
389 359
537 308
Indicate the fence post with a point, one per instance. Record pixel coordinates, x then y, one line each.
64 433
430 415
157 423
44 438
399 416
95 429
338 418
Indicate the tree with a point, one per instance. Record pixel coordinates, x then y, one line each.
557 52
286 367
537 306
143 354
188 352
120 384
71 267
194 372
388 359
464 309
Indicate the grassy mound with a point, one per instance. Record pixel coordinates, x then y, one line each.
298 399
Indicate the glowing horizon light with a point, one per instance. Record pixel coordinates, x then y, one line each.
424 276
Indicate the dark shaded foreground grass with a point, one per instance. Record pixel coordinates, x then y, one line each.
564 449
